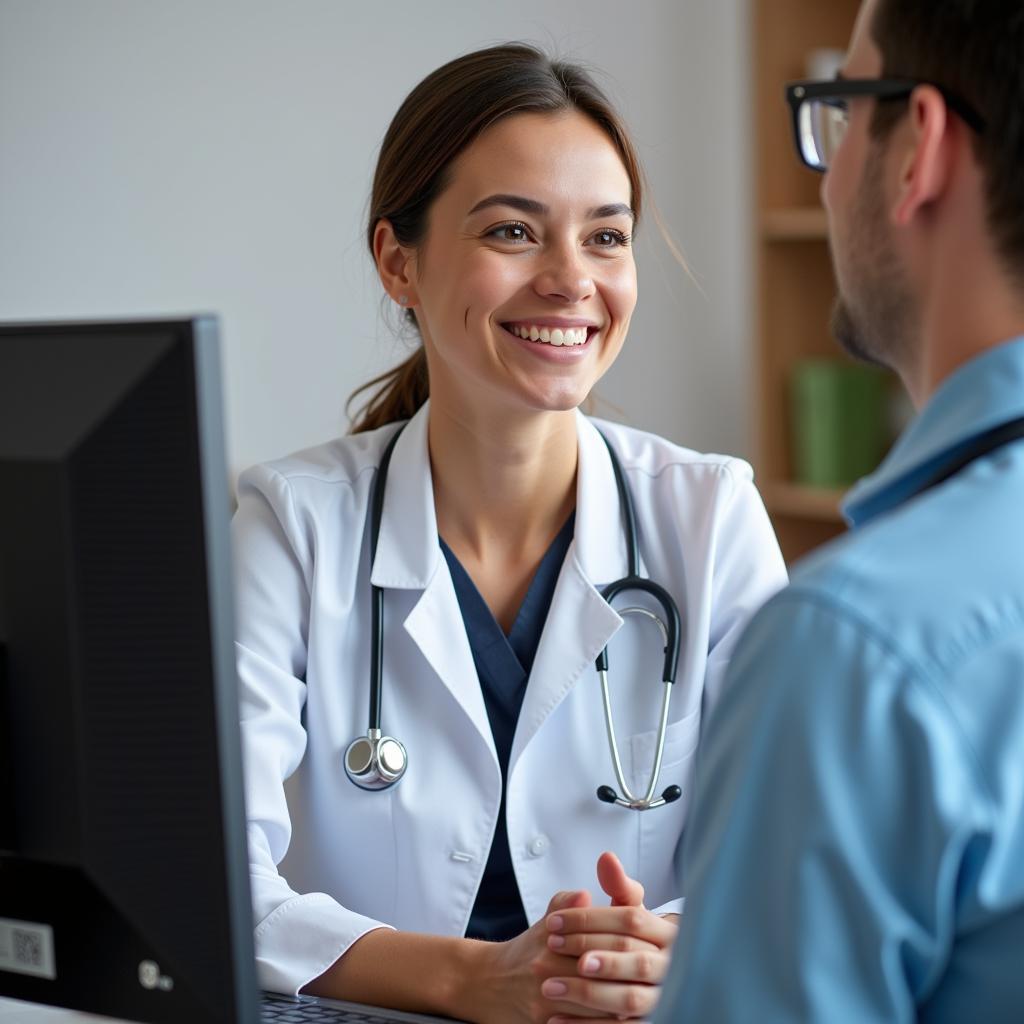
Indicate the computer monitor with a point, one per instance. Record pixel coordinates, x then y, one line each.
123 880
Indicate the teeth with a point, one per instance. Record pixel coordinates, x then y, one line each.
552 336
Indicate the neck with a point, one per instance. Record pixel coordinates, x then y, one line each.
970 310
502 487
967 300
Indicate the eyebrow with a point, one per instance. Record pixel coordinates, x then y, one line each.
538 208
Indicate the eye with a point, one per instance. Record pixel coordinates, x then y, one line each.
513 231
609 239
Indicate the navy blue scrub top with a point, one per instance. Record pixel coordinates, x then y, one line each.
503 664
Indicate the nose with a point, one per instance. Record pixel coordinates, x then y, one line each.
564 275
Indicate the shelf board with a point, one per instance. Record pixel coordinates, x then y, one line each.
794 224
801 502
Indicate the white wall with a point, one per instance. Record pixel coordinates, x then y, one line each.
216 155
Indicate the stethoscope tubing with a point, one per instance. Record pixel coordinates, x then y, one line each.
377 593
377 762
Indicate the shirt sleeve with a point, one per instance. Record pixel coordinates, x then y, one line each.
298 935
832 810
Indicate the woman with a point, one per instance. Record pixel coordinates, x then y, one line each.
505 198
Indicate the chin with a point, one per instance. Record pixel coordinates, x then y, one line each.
563 401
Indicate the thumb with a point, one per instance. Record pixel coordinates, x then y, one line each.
623 890
568 900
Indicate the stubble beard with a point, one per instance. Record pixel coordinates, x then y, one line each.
874 321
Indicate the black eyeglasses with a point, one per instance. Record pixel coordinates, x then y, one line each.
821 116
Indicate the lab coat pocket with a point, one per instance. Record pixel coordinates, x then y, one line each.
680 743
662 827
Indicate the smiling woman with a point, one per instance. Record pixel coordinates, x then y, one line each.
434 127
496 517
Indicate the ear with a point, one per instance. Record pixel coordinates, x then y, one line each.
395 264
927 162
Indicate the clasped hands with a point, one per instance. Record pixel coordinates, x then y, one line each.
592 963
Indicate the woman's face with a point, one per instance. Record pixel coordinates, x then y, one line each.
528 246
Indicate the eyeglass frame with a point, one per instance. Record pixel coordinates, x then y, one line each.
882 89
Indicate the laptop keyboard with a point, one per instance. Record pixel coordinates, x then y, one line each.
278 1010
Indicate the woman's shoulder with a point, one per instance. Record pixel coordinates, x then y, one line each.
318 487
341 461
654 455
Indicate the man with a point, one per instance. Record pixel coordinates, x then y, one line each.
856 845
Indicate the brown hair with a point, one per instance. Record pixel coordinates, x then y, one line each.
973 48
440 119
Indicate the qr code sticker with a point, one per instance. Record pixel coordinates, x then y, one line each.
28 948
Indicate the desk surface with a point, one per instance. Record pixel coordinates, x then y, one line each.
13 1011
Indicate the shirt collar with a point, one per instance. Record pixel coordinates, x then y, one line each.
600 539
981 394
408 549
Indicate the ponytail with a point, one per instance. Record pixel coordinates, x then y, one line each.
401 393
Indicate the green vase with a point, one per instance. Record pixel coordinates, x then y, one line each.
839 421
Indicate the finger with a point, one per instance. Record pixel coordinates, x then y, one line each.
590 1019
635 921
587 1017
647 968
578 1014
623 890
582 942
619 998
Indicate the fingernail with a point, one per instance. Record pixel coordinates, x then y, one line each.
591 965
554 988
555 923
556 941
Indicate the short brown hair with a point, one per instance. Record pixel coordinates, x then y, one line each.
975 49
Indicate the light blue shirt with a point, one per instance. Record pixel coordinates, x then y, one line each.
855 851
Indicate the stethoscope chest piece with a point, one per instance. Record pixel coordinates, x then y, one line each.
374 761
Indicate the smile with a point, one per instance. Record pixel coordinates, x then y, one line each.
550 335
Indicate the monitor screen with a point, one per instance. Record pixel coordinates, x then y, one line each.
123 888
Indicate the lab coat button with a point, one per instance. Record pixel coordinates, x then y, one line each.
539 846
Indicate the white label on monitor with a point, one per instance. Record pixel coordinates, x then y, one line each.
27 948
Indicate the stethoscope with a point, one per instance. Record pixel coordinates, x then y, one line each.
376 761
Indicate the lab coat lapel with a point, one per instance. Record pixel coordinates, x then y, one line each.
409 558
580 622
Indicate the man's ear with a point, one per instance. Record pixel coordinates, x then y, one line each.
395 264
926 162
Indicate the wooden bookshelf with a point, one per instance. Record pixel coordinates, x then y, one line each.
794 224
795 285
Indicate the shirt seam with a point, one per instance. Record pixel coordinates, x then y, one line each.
302 475
723 468
292 531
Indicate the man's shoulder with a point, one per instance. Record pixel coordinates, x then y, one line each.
936 581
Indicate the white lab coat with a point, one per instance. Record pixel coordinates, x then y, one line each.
330 862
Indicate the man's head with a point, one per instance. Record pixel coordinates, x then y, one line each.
915 187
